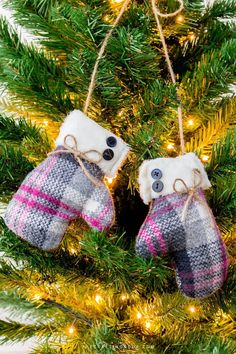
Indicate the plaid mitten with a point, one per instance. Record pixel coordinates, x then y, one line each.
68 184
181 225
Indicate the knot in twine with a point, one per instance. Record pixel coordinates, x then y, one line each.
192 194
171 14
79 155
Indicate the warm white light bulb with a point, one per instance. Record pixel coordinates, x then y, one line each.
72 251
98 298
148 324
109 180
179 18
192 309
205 158
139 315
170 146
71 330
116 1
120 113
192 36
190 122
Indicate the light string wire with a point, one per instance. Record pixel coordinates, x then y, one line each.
100 54
157 13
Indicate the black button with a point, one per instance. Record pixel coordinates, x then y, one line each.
157 186
108 154
111 141
156 173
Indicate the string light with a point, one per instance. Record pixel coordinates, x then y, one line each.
45 122
71 331
148 324
205 158
106 18
115 2
37 297
190 122
120 113
72 250
98 298
170 147
192 36
110 180
124 297
192 309
179 19
139 315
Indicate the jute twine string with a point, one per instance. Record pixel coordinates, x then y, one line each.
101 52
75 150
78 155
157 13
197 177
192 193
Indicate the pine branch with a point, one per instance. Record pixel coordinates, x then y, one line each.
222 173
223 155
210 77
16 129
49 23
17 305
32 139
29 75
49 264
208 30
221 9
114 265
44 349
12 279
13 168
214 131
12 331
43 8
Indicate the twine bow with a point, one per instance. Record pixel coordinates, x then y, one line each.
192 193
79 155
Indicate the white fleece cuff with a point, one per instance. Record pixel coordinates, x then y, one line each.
91 136
170 169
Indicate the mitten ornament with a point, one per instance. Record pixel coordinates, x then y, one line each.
180 223
68 184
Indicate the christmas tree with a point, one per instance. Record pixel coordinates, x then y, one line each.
94 294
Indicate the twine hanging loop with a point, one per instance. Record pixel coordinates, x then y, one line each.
101 52
157 13
171 14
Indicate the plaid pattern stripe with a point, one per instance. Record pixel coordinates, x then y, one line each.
195 246
55 193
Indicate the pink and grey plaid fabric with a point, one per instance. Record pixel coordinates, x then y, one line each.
195 245
55 193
